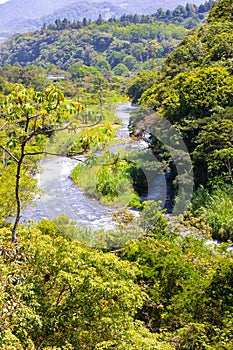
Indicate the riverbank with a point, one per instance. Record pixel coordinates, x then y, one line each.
59 195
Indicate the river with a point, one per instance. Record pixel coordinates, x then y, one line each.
61 196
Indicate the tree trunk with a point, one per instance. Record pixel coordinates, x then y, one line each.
17 182
17 196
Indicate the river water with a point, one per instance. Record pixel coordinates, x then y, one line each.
61 196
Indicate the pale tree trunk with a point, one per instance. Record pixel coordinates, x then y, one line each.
17 184
18 199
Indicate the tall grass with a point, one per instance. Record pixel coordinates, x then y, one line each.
110 181
218 209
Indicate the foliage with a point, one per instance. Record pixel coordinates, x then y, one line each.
166 290
57 294
147 220
214 145
64 291
142 82
117 178
216 207
189 16
207 46
135 341
223 11
179 275
152 219
104 46
194 92
95 138
7 191
121 69
107 178
193 95
27 119
195 223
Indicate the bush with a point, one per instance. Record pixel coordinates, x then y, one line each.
217 207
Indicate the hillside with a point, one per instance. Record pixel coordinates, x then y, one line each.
134 41
74 11
22 16
194 92
106 46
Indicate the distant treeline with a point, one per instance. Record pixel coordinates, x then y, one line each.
189 16
122 49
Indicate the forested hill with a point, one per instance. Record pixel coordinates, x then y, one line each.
132 43
195 93
21 16
189 16
105 46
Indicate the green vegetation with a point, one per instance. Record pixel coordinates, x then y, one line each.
179 277
27 119
188 16
58 294
194 92
150 283
217 209
32 113
103 46
107 178
54 294
117 178
121 46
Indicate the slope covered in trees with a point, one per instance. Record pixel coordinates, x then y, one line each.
104 46
18 16
162 291
194 92
133 42
188 16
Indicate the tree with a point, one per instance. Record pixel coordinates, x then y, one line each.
192 95
27 119
85 22
56 294
142 82
222 11
121 69
214 144
139 52
99 21
130 62
81 71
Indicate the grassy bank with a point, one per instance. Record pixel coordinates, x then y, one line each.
116 178
108 179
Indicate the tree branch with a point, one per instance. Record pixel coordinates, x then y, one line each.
10 154
85 126
67 127
65 155
3 126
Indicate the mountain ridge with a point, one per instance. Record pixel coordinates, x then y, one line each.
19 16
